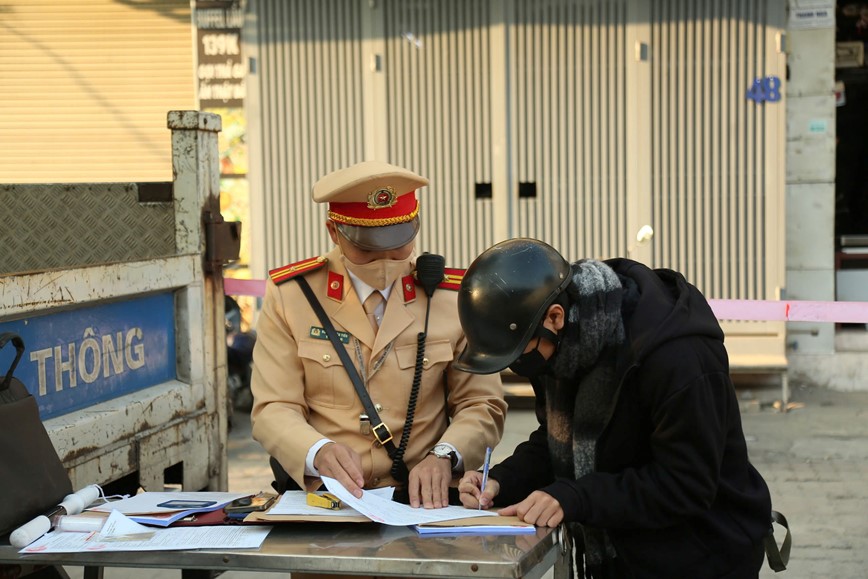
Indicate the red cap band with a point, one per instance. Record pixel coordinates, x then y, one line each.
382 208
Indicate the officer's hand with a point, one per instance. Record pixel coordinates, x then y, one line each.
342 463
429 483
539 508
471 495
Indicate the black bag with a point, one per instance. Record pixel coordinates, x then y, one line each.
34 478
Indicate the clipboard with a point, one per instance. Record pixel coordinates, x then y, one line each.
497 521
498 525
324 518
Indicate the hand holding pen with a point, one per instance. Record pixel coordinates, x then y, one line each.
486 464
476 489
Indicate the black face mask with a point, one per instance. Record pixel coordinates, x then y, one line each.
530 364
533 363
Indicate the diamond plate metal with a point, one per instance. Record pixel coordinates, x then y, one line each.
60 226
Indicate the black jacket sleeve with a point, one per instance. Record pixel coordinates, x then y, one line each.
529 468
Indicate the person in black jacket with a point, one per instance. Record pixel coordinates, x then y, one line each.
640 448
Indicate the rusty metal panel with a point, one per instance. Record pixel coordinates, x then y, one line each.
89 224
147 432
184 441
33 293
181 420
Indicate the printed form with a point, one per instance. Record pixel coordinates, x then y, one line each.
388 512
122 534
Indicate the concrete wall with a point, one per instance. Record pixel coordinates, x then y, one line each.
814 358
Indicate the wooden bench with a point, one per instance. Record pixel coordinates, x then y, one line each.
763 364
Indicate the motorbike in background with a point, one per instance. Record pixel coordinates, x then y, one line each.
239 358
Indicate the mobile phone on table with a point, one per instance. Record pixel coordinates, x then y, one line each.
251 504
183 504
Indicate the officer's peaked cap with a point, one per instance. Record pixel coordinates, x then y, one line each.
372 203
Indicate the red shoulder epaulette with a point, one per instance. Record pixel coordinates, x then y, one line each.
287 272
451 279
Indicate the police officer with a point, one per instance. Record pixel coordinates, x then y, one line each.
640 447
306 412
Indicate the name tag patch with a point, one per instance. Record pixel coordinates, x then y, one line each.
321 334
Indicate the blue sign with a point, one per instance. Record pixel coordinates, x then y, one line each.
75 359
763 90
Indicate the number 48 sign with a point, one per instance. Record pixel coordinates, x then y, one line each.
765 89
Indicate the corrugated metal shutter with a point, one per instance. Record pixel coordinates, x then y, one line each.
438 112
716 167
568 67
586 110
716 183
307 119
86 87
548 107
563 127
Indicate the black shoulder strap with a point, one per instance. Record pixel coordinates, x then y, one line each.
19 351
778 559
379 428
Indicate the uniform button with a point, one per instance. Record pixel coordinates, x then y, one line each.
425 361
326 357
378 407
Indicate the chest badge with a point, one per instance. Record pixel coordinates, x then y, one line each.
321 334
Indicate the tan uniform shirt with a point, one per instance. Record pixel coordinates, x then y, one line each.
302 392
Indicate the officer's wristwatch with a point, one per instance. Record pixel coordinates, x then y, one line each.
445 451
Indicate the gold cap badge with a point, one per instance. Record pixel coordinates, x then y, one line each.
382 198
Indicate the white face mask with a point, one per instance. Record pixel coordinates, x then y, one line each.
381 273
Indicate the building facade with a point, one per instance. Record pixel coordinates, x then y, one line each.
652 130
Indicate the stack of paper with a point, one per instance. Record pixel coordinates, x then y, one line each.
122 534
498 525
161 509
383 510
376 505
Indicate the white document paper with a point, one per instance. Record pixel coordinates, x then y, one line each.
295 503
388 512
120 533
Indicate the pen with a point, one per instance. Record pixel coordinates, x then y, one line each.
485 466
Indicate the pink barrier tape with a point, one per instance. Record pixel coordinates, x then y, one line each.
790 311
243 287
745 310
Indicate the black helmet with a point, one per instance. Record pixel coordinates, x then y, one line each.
503 297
